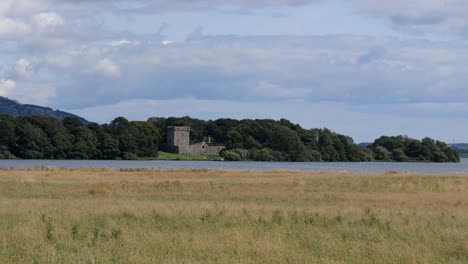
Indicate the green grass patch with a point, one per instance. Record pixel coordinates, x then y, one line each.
172 156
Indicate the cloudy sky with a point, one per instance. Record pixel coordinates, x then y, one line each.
360 67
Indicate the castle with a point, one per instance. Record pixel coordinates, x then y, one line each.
178 141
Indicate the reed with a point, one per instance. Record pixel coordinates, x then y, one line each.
58 215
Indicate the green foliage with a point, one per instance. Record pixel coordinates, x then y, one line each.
41 137
236 154
7 130
381 153
272 140
266 154
5 153
402 149
32 142
147 139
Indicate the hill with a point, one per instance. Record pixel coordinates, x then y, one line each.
15 108
461 148
364 144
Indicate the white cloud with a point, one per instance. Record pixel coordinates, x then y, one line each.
87 7
61 61
32 92
11 28
23 7
108 68
69 55
421 16
24 68
167 42
146 6
316 68
47 21
267 89
124 42
6 87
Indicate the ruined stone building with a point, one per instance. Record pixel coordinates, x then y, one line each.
178 141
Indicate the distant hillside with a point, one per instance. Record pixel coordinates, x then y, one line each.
461 148
15 108
460 145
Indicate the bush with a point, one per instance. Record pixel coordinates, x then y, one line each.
130 156
5 153
314 155
399 155
231 155
381 153
264 154
236 154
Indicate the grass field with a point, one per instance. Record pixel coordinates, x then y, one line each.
171 156
106 216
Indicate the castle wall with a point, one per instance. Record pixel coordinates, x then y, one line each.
186 150
215 150
205 149
178 141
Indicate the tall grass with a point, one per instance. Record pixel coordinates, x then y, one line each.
55 215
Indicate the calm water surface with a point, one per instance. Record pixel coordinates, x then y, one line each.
261 166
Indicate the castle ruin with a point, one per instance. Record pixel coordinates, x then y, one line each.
178 141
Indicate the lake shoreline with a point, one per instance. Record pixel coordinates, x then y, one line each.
372 167
390 173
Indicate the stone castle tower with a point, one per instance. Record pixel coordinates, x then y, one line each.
178 141
178 136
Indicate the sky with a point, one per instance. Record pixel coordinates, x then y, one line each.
363 68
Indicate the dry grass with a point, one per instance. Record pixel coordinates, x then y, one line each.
181 216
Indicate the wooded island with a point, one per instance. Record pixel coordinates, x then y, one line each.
41 137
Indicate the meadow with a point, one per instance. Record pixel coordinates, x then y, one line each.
188 216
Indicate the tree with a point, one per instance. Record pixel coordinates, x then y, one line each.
39 137
147 139
7 131
107 147
234 140
56 132
287 141
381 153
399 155
84 141
402 148
125 133
7 136
32 141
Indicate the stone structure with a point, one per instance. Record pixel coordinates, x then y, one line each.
178 141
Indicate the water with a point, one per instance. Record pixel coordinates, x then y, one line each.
377 167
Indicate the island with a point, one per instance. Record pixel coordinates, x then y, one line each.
48 137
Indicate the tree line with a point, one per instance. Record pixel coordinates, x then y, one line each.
281 140
41 137
404 149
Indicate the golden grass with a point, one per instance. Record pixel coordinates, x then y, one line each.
200 216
